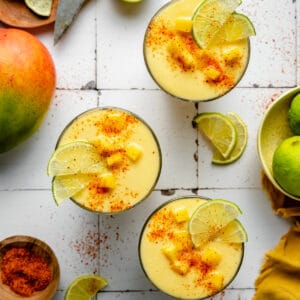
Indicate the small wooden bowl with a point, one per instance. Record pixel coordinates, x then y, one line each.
43 250
15 13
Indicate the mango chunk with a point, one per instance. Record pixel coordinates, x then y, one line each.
232 55
181 54
211 257
134 151
181 267
215 281
211 73
103 143
107 180
181 214
170 252
182 239
184 24
114 159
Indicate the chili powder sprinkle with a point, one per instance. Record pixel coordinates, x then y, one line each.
24 271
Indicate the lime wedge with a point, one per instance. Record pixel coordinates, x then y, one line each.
241 142
66 186
218 129
40 7
237 27
210 218
73 158
209 18
234 232
85 287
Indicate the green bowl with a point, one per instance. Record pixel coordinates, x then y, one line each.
273 129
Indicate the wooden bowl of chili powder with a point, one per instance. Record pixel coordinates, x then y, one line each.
29 269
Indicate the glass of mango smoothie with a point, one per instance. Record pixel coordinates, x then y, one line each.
172 262
125 155
183 69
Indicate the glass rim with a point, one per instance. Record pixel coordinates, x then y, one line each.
100 108
141 237
182 98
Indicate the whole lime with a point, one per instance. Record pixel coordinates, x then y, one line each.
294 115
286 165
27 84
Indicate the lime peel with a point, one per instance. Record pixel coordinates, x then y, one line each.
40 7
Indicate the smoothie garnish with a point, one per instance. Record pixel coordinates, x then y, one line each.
40 7
85 287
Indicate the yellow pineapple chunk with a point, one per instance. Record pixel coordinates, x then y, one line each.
211 257
184 24
181 54
181 214
182 239
181 267
212 73
114 159
170 252
134 151
107 180
103 143
215 281
232 55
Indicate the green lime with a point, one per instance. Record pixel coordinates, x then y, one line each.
294 115
209 18
73 158
85 287
209 220
286 165
218 129
237 27
40 7
234 232
241 142
66 186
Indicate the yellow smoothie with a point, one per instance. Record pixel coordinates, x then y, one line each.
171 262
180 67
130 153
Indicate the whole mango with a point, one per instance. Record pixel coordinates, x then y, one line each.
27 85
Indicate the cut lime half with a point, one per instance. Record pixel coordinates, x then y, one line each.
218 129
85 287
40 7
241 142
75 157
209 18
210 218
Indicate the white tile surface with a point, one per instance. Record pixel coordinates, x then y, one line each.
99 61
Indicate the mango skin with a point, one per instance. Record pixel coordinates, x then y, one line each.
27 85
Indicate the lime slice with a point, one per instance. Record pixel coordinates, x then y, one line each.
66 186
210 218
85 287
209 18
40 7
73 158
234 232
241 142
236 28
218 129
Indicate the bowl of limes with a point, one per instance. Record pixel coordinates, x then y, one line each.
278 143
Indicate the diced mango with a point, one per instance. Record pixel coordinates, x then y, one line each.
184 24
212 73
232 55
215 281
181 267
103 143
114 159
182 55
170 252
181 214
211 257
134 151
182 239
114 122
107 180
